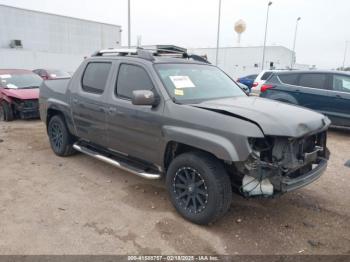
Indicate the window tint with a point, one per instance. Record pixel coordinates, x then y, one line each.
131 78
95 77
341 83
290 79
266 75
313 80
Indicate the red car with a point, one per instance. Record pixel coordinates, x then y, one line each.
19 94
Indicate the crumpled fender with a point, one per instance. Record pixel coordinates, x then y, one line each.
217 145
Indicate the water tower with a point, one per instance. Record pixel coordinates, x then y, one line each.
240 27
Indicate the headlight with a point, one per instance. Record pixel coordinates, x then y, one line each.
260 144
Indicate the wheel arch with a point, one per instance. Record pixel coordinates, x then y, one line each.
53 111
181 140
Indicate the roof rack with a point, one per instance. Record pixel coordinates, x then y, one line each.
149 54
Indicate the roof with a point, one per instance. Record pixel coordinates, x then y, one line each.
313 71
157 59
57 15
14 71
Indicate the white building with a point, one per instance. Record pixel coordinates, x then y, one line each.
32 39
242 61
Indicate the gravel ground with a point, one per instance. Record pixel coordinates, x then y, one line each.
78 205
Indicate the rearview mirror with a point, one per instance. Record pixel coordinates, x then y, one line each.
144 98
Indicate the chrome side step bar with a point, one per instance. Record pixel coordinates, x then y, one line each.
118 164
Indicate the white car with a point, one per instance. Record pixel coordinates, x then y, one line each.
260 80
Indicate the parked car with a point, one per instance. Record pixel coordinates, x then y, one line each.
187 122
327 92
19 94
247 80
260 80
50 74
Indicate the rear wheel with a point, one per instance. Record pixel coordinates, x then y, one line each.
199 187
60 139
6 112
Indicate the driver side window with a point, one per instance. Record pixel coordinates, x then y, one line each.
131 78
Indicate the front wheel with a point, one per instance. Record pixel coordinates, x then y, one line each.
60 139
199 187
6 113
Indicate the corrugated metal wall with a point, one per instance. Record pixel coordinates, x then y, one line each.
43 33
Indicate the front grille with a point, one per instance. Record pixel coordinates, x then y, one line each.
31 104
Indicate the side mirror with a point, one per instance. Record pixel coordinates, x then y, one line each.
144 98
244 88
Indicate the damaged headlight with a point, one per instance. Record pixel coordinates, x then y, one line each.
261 146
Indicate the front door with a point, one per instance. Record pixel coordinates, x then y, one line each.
134 130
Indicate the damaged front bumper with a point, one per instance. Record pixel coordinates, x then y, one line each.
278 165
27 109
289 184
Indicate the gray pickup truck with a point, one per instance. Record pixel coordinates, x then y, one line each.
186 121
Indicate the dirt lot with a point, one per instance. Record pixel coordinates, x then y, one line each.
78 205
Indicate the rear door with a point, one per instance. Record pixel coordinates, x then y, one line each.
88 106
313 91
340 93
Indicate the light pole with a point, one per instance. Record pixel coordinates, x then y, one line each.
295 39
129 27
345 53
218 35
267 21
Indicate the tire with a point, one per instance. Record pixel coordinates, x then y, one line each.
6 112
206 200
61 140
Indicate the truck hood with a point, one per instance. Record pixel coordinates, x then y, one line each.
22 94
274 118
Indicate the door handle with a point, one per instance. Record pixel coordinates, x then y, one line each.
338 96
75 100
112 110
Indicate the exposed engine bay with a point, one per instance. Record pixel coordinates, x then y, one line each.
278 159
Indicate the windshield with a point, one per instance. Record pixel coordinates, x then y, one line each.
192 83
20 81
58 74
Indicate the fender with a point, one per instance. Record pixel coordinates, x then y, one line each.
217 145
64 108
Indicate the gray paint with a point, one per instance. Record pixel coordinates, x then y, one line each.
144 131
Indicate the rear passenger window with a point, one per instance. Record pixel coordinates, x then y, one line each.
131 78
95 77
266 75
313 80
290 79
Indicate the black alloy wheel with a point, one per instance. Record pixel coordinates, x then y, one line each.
190 190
